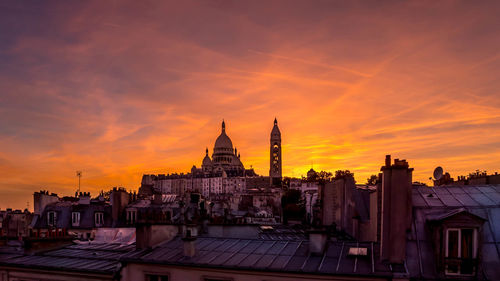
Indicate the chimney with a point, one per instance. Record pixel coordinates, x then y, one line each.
84 198
189 243
143 236
396 210
119 200
42 199
317 241
148 235
387 161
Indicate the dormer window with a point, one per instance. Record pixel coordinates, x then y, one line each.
99 218
456 235
461 251
75 218
51 218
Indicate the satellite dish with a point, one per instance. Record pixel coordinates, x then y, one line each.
438 173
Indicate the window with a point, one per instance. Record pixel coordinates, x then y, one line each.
461 251
131 216
156 277
75 218
99 218
51 218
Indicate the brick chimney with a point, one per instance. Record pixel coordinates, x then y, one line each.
396 209
119 200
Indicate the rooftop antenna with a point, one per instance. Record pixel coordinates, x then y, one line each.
79 175
438 173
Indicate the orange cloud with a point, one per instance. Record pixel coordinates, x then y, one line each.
122 90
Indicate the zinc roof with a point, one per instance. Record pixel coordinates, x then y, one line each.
456 196
266 255
95 258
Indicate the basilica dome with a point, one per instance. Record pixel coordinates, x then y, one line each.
223 142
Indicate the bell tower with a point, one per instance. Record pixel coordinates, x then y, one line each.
275 153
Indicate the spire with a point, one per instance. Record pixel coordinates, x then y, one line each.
275 132
206 151
223 126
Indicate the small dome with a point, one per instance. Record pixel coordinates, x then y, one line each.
206 161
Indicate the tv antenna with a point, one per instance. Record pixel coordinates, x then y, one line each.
438 173
79 175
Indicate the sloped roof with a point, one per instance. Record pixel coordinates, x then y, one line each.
291 256
64 210
456 196
91 257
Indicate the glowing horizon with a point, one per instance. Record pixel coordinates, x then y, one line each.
118 90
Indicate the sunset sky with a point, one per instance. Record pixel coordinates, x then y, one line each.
117 89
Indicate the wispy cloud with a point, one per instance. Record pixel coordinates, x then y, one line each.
122 90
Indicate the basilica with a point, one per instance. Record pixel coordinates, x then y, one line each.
225 160
220 173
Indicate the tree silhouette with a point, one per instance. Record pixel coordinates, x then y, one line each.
343 173
372 180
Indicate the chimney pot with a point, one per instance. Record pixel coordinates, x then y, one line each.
189 244
317 241
388 161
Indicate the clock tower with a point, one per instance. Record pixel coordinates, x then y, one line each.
275 160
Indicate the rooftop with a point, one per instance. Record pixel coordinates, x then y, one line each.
96 258
456 196
290 256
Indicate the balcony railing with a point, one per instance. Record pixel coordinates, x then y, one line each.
460 266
